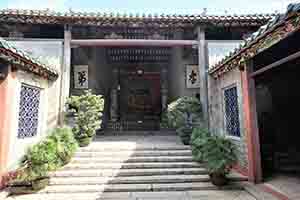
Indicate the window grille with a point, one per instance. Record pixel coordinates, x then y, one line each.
29 111
232 121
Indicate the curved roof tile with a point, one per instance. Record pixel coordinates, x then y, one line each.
28 62
260 33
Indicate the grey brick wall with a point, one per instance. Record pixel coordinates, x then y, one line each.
216 110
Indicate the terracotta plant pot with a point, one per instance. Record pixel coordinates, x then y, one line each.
83 142
218 179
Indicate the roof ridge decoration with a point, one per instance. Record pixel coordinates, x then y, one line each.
23 60
47 16
267 35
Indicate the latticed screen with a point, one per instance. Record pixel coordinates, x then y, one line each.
232 112
29 111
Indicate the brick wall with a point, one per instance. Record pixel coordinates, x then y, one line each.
216 110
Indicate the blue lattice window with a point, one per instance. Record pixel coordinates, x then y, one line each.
232 121
30 98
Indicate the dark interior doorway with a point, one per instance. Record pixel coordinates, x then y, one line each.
278 109
140 99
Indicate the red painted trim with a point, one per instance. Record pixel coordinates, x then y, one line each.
250 121
275 193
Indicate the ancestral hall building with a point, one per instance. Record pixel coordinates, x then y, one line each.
139 63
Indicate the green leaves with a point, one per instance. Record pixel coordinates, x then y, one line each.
177 112
218 152
198 141
88 111
49 154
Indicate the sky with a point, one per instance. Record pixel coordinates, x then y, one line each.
155 6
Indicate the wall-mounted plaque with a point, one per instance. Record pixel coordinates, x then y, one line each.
192 76
81 76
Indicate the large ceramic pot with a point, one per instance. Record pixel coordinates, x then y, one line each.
218 179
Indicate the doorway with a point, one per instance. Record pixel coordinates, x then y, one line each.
278 108
140 99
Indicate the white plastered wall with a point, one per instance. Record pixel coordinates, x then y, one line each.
18 146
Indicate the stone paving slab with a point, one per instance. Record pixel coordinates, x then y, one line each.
187 195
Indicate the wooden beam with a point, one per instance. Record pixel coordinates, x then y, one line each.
133 42
276 64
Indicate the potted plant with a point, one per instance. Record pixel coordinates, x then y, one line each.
219 154
185 133
198 141
87 110
35 165
50 154
177 111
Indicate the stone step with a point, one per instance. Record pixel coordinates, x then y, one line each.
128 172
134 153
128 180
133 159
149 165
137 179
130 147
134 188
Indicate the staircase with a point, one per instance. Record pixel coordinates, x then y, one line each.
120 167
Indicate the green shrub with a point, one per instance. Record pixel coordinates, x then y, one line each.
88 110
66 144
198 141
219 154
185 134
51 153
179 110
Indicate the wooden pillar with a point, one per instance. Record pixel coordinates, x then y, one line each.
203 67
114 107
251 125
65 71
164 89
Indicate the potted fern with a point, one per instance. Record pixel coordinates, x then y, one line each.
220 156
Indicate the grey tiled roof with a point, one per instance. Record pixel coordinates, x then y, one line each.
17 54
260 33
62 17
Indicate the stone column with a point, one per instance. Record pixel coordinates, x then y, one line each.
203 67
65 71
114 106
164 88
176 71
